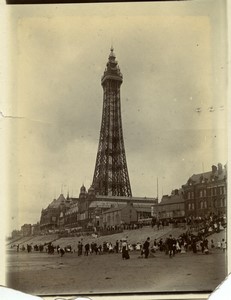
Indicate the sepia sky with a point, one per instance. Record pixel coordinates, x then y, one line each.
173 60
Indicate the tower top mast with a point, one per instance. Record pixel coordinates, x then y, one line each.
112 70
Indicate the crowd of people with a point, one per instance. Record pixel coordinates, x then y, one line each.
194 239
186 242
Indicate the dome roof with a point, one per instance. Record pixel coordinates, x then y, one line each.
91 190
82 189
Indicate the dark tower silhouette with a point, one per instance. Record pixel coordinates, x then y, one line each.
111 173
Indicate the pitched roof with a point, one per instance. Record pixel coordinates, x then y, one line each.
166 199
56 202
196 178
72 209
217 172
114 209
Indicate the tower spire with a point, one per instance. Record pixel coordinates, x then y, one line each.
111 173
112 52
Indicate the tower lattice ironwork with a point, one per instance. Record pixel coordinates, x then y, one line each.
111 172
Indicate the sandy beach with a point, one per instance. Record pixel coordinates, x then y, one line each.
44 274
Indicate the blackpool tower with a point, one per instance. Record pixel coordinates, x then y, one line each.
111 172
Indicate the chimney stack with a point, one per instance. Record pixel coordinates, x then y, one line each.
214 169
220 169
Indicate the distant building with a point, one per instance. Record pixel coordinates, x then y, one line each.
16 234
86 210
205 194
26 230
171 206
121 215
50 217
69 219
95 206
35 229
143 212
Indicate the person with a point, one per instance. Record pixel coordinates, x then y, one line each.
117 246
194 245
138 246
110 248
206 251
17 247
158 225
202 246
125 254
28 248
80 248
178 248
219 245
206 243
100 249
161 245
212 244
169 243
173 247
155 246
62 252
146 247
104 247
96 248
87 247
92 247
223 245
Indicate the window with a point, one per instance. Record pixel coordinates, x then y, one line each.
223 202
201 193
204 192
201 205
205 204
193 207
189 206
188 195
221 190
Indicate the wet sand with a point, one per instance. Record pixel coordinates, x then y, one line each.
43 274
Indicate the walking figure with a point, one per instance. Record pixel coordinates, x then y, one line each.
146 247
125 254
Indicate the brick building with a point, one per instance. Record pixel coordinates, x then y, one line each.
205 194
50 216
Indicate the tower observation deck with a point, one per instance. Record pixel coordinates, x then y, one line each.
111 172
